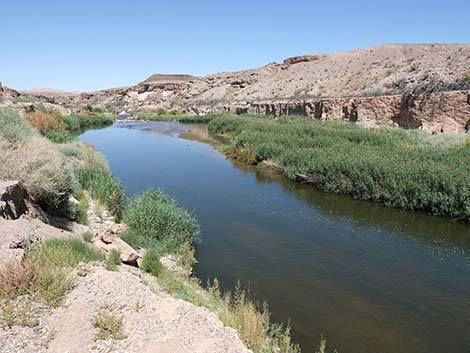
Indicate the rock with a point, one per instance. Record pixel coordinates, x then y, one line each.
29 108
108 236
73 200
302 58
171 263
13 200
108 241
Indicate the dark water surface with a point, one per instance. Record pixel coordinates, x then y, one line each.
371 279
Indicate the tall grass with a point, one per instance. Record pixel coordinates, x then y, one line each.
398 168
63 253
184 119
234 309
159 221
104 187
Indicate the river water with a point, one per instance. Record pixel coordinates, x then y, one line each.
370 279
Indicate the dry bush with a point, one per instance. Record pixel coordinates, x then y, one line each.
46 121
93 158
244 154
13 128
16 277
242 314
40 167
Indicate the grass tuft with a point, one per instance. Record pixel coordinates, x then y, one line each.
113 260
64 253
151 262
109 325
52 286
87 237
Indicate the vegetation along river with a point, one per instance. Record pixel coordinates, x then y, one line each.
371 279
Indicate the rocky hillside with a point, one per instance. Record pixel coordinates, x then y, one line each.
380 70
385 70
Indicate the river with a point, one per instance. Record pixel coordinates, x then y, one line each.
369 278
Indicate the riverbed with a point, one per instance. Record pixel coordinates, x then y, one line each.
369 278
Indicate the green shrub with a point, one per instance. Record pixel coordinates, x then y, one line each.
58 137
151 262
398 168
62 129
77 124
160 221
63 253
80 214
87 237
187 255
134 239
104 187
113 260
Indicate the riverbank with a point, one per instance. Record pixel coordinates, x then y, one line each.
397 168
319 259
161 234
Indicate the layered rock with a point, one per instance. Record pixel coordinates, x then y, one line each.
437 112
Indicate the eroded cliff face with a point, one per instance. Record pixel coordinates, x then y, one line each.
437 112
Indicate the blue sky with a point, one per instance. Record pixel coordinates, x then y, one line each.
88 45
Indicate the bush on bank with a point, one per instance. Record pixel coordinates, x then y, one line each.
62 129
158 220
398 168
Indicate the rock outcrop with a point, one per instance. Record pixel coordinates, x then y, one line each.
108 240
13 200
303 58
436 112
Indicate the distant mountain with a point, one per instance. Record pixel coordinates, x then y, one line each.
169 77
48 92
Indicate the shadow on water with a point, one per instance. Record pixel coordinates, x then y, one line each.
371 279
420 226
